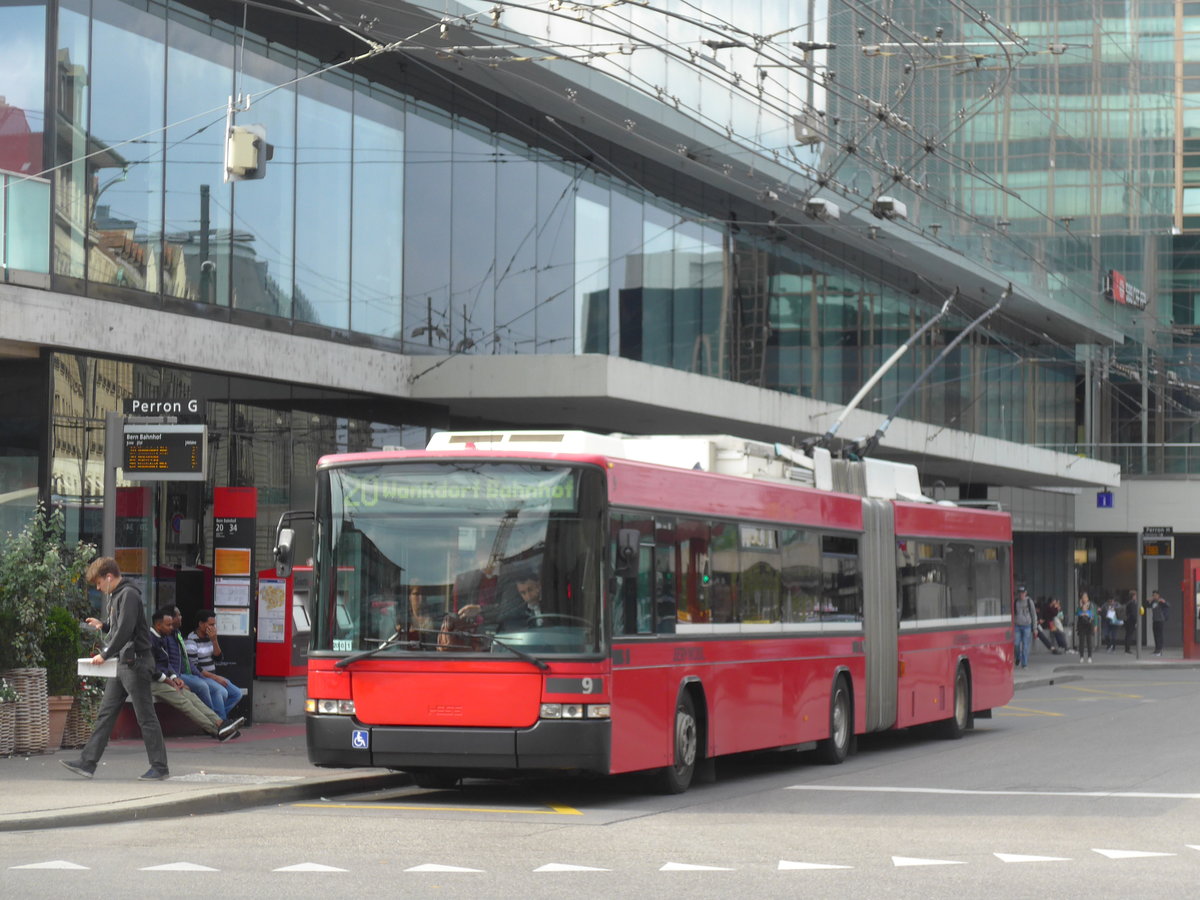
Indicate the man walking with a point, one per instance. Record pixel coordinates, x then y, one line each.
128 639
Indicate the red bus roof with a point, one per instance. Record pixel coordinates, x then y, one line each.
660 488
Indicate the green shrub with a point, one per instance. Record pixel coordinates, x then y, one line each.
61 647
38 570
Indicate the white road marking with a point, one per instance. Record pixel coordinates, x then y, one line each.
309 867
687 867
564 867
785 865
53 864
1136 795
914 861
178 867
434 867
1128 854
1022 858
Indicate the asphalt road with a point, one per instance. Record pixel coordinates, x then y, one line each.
1086 789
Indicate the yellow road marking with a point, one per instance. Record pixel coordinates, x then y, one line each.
1083 690
552 811
1022 711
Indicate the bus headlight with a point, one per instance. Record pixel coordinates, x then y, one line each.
329 707
574 711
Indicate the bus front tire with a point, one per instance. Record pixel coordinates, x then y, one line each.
835 748
677 777
959 722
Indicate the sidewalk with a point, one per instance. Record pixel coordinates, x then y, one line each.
268 764
1047 668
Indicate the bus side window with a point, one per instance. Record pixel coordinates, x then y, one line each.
632 612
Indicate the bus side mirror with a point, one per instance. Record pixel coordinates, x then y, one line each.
626 563
283 551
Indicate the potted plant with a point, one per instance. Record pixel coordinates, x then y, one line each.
8 704
61 648
38 570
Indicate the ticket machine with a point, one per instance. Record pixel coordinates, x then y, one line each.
1191 608
283 626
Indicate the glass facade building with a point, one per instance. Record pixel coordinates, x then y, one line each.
635 181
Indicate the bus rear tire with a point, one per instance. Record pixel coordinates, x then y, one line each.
835 748
959 722
677 778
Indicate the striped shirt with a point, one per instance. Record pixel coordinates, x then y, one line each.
200 653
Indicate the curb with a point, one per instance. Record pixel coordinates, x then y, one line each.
204 803
1075 671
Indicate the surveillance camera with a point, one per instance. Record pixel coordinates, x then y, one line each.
889 208
822 209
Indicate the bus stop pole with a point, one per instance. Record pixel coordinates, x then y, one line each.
114 443
1141 600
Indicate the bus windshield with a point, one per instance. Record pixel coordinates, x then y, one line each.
459 557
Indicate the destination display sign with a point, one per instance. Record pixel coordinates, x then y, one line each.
165 452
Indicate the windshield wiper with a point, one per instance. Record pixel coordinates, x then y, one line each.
363 654
394 640
515 651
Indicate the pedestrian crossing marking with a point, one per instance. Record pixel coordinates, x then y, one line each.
52 864
178 867
1022 858
564 867
309 867
915 861
1129 854
688 867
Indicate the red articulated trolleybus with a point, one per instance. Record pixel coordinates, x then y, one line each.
508 603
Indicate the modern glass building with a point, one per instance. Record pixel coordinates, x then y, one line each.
670 216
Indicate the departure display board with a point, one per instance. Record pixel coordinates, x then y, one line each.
165 452
1158 548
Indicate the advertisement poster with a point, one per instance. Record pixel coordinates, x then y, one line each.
233 621
231 592
272 608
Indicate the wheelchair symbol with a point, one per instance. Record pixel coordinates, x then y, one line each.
360 739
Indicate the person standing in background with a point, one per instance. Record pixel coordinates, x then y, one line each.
1159 611
1085 627
1024 620
1131 620
1110 621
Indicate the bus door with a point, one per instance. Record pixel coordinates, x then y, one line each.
881 624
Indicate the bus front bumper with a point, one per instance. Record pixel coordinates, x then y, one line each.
549 745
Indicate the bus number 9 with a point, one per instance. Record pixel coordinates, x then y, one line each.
586 684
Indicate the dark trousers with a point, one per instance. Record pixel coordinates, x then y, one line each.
1130 634
1084 640
132 681
1158 636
